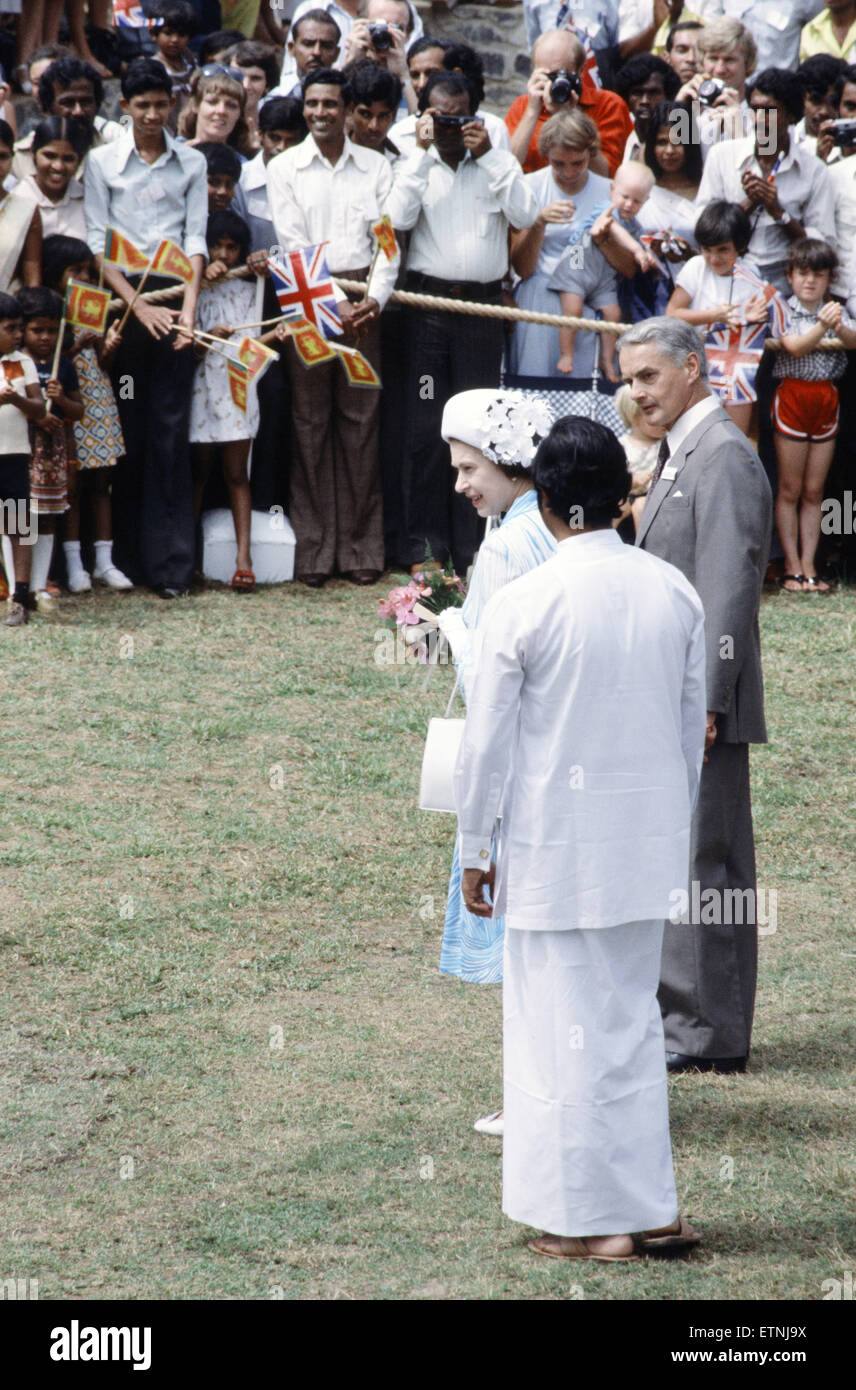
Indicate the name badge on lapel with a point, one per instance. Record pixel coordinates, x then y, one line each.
669 474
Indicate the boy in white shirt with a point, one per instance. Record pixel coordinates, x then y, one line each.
21 401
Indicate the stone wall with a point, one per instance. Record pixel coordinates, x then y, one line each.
499 35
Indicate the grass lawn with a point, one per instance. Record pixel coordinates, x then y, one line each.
232 1069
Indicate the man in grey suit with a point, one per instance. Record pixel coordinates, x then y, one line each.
708 512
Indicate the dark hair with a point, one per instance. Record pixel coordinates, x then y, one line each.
661 115
848 75
177 15
638 70
316 17
220 159
62 73
819 74
10 308
781 85
7 135
58 253
461 56
370 82
228 224
49 50
258 55
282 113
810 253
38 302
145 75
722 221
683 24
581 464
447 82
426 42
327 77
69 128
218 42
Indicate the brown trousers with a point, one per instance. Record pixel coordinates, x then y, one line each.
336 506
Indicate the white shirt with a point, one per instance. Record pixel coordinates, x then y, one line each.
21 371
147 202
774 25
686 423
403 133
460 217
585 720
312 200
346 22
251 202
706 289
802 184
842 179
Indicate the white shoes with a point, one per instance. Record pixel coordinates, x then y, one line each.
79 582
46 604
112 577
491 1124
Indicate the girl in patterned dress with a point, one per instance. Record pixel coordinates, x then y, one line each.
98 435
214 417
52 437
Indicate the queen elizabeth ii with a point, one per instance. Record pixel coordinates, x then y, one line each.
492 437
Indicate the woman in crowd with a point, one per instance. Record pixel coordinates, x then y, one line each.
59 145
669 215
215 110
20 227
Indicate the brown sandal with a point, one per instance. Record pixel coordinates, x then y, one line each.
244 581
581 1252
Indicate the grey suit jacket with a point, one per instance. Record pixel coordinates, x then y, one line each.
713 522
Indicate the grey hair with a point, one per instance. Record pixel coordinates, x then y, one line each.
675 339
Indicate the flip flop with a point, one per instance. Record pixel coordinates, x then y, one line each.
244 581
581 1253
815 583
797 578
673 1240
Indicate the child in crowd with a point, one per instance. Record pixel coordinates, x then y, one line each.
172 38
584 276
98 435
21 402
260 66
281 125
224 171
805 408
708 292
214 417
59 145
641 445
53 441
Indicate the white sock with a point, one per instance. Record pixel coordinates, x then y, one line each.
9 564
73 561
103 556
41 562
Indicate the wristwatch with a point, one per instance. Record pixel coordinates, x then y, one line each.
785 219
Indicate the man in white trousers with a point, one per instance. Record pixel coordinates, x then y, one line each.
586 725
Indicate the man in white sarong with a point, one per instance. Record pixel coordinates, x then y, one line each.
586 724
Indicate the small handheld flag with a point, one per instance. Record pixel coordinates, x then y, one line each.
128 15
118 250
239 378
255 357
86 306
359 370
170 260
311 346
304 288
385 234
12 370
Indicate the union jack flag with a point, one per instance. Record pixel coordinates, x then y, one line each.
734 354
304 289
564 21
129 15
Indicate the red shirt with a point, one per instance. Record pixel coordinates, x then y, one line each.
608 111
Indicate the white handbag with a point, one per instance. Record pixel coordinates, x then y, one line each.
437 784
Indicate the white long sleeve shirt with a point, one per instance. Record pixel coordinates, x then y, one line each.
460 217
312 200
147 202
585 721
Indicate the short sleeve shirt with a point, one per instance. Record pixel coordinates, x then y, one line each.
20 370
813 366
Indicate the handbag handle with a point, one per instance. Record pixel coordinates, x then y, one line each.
452 697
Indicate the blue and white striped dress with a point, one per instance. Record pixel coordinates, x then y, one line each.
472 946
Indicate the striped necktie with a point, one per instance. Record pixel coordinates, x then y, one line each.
662 459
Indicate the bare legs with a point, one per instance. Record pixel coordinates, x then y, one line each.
803 468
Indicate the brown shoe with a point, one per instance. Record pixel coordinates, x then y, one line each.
312 581
362 576
18 615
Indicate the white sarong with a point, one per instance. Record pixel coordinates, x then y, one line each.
586 1150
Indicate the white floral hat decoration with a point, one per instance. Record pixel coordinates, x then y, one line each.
506 426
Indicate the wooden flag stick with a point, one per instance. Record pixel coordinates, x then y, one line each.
371 268
137 294
262 323
57 351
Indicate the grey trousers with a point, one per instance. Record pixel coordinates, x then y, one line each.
708 972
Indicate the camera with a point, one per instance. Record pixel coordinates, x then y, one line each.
380 36
844 133
449 121
709 90
562 85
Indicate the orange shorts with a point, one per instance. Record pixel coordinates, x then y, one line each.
806 409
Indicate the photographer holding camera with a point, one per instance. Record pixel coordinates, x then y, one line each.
727 55
558 83
383 35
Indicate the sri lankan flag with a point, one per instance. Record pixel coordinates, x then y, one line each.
312 347
359 371
118 250
386 237
169 259
255 357
239 377
86 306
